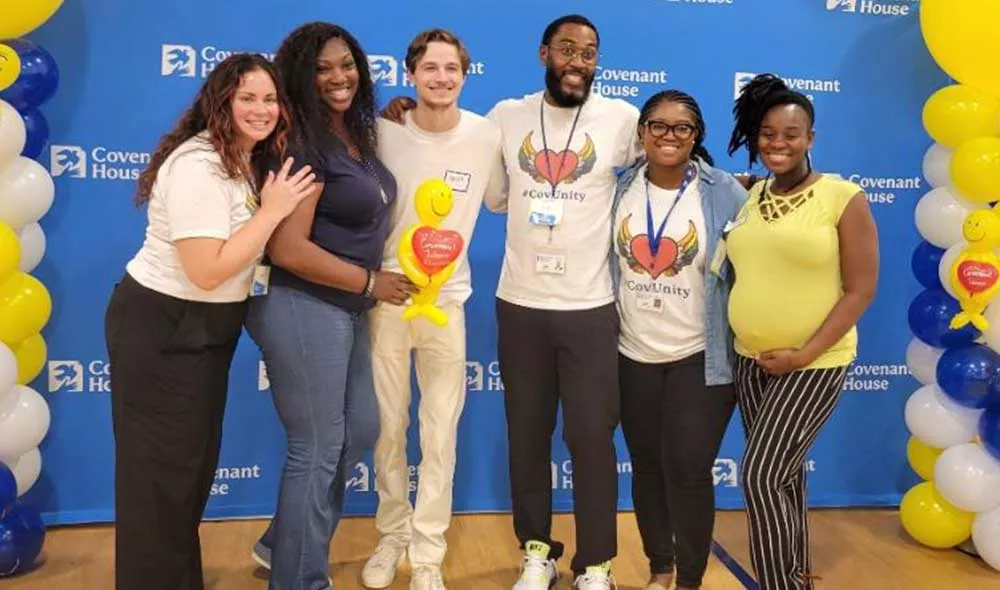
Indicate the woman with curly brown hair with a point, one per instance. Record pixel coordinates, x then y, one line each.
174 319
312 326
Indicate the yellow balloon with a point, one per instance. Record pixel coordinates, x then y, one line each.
957 113
962 38
31 354
25 307
20 17
10 66
922 458
10 251
931 520
975 169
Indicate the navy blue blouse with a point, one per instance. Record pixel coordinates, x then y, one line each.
351 220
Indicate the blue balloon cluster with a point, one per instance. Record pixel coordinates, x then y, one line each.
34 86
967 372
22 535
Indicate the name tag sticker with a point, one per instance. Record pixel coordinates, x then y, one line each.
458 181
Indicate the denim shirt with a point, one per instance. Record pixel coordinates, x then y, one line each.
722 197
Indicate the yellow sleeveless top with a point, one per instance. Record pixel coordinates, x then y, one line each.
788 269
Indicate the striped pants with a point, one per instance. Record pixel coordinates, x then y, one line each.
781 417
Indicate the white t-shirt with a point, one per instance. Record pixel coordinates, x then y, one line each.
566 267
466 157
661 298
191 198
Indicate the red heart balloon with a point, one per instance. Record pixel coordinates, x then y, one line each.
665 257
436 249
556 167
977 276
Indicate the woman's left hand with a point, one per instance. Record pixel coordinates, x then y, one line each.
782 361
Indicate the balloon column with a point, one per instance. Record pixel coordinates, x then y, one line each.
954 418
28 78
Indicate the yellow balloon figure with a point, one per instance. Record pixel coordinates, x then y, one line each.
427 253
975 272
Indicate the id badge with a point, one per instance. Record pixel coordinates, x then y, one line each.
261 279
718 258
649 302
550 262
546 212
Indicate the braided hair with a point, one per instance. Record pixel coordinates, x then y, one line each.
688 101
760 95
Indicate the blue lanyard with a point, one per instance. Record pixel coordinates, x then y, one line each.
654 239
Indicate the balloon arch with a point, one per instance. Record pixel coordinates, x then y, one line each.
954 418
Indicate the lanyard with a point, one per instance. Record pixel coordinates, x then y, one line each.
545 145
654 239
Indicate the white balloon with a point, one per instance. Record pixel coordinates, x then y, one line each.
944 267
937 164
968 478
992 335
12 133
32 240
26 469
8 375
23 426
26 192
922 360
939 422
986 536
939 216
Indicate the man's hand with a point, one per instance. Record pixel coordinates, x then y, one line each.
397 107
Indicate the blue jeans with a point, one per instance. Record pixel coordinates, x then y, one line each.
318 359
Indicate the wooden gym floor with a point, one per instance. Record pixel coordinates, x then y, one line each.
852 550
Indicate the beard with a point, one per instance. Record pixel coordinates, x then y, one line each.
559 96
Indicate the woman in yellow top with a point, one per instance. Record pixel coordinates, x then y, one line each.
804 250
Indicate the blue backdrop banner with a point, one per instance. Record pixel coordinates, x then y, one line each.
128 69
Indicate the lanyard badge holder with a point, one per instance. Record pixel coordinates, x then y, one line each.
654 238
549 212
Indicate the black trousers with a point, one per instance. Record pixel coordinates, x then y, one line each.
673 425
782 417
569 356
170 362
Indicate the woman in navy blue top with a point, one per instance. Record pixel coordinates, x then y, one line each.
311 324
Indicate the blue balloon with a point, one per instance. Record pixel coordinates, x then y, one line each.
970 375
989 430
22 535
39 76
925 262
929 315
37 130
8 489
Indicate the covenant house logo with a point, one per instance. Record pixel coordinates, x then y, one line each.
873 7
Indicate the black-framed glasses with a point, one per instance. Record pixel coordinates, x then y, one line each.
568 52
659 129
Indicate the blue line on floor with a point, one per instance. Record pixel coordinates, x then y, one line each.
734 566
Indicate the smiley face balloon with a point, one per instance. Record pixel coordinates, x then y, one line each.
427 253
10 66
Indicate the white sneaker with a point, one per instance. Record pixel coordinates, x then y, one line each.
380 569
596 577
426 577
538 572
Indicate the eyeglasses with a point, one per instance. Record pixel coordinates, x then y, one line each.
568 52
659 129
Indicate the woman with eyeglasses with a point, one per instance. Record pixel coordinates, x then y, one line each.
675 346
